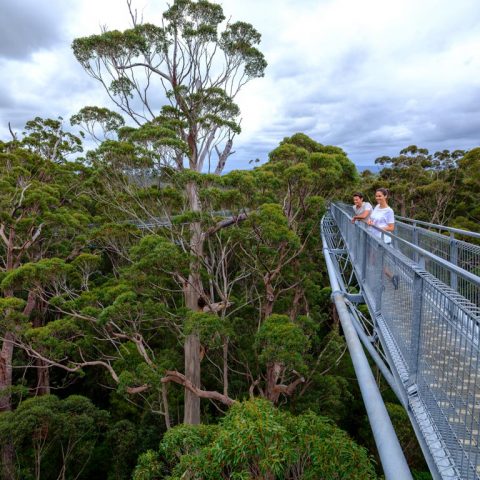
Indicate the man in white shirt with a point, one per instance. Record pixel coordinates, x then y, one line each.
361 209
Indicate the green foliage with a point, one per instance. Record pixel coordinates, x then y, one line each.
44 272
280 340
122 440
421 185
211 329
47 138
60 434
149 467
255 440
186 440
90 119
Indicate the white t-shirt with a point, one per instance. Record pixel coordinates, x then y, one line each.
364 207
381 218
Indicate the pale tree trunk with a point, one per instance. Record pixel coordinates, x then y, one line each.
6 370
269 296
295 308
274 370
43 372
193 291
225 367
6 355
403 210
43 378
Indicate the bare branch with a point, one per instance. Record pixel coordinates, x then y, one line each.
222 157
14 135
176 377
226 223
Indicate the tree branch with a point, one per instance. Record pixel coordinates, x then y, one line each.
226 223
290 388
176 377
14 135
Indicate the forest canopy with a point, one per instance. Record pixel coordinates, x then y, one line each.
163 316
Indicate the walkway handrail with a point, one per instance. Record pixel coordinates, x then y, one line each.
460 279
459 231
424 253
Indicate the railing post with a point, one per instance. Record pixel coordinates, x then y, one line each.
415 241
454 260
363 272
379 292
415 334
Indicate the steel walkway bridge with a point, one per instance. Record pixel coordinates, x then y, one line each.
422 331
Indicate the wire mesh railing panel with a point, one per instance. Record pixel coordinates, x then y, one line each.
406 232
448 377
397 301
373 271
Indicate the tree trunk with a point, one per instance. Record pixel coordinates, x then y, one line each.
270 296
192 372
193 291
6 355
43 378
274 370
225 367
43 373
8 469
295 308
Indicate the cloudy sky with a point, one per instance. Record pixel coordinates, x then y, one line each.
371 76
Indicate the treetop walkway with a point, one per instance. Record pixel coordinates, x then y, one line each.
422 291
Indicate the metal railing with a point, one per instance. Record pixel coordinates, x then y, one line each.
153 223
429 237
429 331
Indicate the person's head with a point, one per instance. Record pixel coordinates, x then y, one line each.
357 199
381 196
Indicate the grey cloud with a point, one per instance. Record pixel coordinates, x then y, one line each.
6 100
460 126
29 25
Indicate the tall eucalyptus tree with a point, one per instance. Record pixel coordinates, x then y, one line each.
195 71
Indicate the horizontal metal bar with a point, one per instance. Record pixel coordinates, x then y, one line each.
466 233
355 297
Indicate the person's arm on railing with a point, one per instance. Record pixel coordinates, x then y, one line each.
389 228
362 216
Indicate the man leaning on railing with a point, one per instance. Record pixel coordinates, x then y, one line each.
361 209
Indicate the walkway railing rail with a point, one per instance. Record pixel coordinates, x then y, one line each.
449 248
429 332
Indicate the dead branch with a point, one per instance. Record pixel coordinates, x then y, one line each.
14 135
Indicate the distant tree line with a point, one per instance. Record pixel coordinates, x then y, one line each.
442 188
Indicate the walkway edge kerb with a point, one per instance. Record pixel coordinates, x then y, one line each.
391 455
